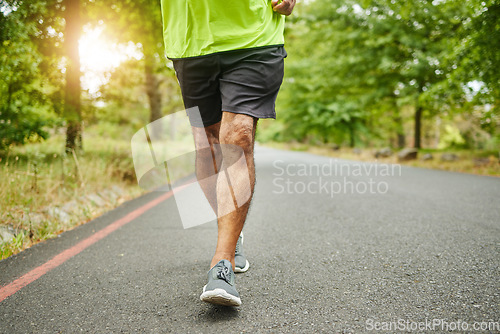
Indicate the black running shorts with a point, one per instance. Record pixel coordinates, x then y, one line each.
241 81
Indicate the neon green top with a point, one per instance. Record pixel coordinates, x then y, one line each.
199 27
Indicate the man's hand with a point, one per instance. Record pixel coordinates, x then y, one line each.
283 7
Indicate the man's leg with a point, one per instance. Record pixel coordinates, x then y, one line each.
208 160
234 187
236 135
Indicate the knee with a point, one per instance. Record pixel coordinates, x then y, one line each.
238 134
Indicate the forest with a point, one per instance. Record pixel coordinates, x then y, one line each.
359 73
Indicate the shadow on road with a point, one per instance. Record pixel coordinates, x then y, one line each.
216 313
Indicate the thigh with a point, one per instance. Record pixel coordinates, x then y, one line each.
199 81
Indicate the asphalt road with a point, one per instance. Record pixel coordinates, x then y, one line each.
326 255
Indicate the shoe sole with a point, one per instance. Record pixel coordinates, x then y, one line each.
242 270
220 297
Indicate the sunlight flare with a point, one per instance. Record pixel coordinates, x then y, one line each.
99 57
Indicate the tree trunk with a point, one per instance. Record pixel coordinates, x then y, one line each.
401 140
153 91
72 103
418 126
352 134
400 134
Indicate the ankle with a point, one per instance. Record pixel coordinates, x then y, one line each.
222 256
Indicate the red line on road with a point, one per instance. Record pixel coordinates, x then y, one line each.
62 257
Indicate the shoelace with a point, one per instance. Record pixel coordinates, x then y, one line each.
223 273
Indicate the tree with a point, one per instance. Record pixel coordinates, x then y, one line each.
129 24
72 105
477 55
25 110
354 65
317 95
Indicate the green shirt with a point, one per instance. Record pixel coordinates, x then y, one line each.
199 27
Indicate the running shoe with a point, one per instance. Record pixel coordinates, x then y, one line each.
220 289
241 263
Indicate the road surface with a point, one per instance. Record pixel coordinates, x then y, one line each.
334 246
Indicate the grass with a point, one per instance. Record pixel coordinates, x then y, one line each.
473 162
37 180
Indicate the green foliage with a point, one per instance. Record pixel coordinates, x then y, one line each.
34 60
355 67
476 57
137 89
359 72
122 99
451 138
25 110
